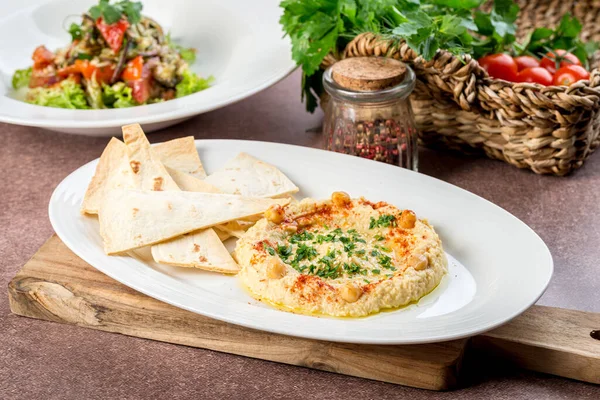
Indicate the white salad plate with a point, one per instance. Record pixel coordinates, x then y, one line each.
498 267
240 43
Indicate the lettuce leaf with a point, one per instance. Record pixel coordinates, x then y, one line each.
118 95
21 78
67 94
191 83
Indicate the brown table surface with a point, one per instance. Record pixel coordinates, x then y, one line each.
48 360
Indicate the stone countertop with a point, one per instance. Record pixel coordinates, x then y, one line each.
47 360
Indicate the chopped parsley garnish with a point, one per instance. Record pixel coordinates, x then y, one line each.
367 281
349 247
383 248
375 253
385 262
284 251
327 267
301 237
352 268
269 249
360 252
376 271
305 252
379 238
384 221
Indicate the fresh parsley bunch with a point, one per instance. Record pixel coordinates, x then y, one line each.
112 13
320 27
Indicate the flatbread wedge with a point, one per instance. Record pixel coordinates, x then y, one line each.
134 218
248 176
112 172
146 166
188 183
202 249
181 154
236 228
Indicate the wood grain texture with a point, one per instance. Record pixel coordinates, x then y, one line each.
56 285
547 339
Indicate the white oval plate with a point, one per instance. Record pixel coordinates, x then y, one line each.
239 42
498 266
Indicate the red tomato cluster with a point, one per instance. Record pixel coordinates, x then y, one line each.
531 70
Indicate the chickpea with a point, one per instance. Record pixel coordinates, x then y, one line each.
350 293
291 227
408 219
275 214
341 199
419 263
275 269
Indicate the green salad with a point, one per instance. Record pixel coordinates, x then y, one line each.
117 58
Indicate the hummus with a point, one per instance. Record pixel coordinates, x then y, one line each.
340 257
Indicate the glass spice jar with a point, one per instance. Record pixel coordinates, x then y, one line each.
369 113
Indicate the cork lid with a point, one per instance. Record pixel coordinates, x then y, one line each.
366 74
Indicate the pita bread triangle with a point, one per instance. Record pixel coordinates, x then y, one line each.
181 154
188 183
248 176
112 172
146 166
200 250
134 218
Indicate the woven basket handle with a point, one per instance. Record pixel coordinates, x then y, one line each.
444 73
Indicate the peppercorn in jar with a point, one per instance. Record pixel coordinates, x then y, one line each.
369 113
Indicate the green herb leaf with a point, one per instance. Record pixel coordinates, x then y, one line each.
112 13
269 249
75 31
384 221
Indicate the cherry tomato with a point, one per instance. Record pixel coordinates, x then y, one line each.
535 75
565 58
134 69
570 74
113 33
42 57
500 66
526 62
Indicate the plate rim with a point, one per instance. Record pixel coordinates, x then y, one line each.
320 336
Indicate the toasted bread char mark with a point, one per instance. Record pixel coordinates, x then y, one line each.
158 182
135 166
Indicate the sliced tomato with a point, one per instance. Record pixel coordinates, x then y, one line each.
570 74
562 56
500 66
87 69
134 69
43 77
140 90
113 33
526 62
42 57
535 75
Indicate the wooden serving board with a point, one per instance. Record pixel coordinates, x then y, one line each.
56 285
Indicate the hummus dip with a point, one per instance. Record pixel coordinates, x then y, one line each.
340 257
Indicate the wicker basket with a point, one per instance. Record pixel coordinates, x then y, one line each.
550 130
